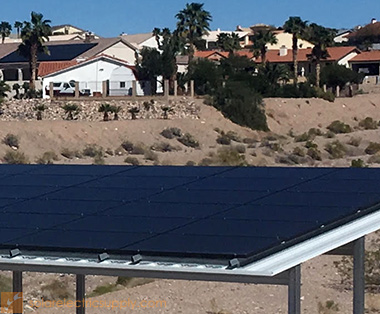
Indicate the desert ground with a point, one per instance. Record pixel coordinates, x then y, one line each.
288 120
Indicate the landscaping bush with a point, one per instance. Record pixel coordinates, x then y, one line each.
47 158
314 153
358 163
298 151
339 127
372 148
11 140
93 150
132 161
354 141
336 149
368 124
189 141
164 147
171 133
375 159
15 158
128 146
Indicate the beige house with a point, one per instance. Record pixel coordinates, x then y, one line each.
66 29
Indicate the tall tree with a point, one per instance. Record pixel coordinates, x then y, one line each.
5 30
261 39
322 38
297 27
193 23
34 34
18 25
229 42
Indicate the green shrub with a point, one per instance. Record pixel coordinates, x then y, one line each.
164 147
93 150
336 149
329 134
11 140
314 153
132 161
223 140
99 160
128 146
303 138
47 158
339 127
229 157
315 132
298 151
171 133
375 159
310 144
189 141
358 163
354 141
152 156
138 150
240 149
191 163
15 158
372 148
368 124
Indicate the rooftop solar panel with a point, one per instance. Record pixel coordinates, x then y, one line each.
212 212
56 53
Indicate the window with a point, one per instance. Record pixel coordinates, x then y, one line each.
122 84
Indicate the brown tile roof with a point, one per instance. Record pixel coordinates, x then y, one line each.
46 68
137 38
367 56
372 29
273 56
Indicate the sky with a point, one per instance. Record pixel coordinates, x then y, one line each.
111 18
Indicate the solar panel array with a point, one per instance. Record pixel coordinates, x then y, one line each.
208 212
56 53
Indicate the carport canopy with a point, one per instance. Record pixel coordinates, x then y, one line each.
232 224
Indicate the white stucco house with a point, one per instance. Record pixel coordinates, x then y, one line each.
91 74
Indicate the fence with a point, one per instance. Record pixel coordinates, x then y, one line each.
108 88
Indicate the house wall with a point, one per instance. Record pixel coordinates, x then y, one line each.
90 76
286 39
341 38
345 61
68 30
121 51
151 43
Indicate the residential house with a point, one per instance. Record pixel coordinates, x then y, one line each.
141 40
367 36
342 36
340 55
67 29
212 38
91 74
367 62
14 67
283 38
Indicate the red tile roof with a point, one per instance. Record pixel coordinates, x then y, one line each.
273 56
46 68
367 56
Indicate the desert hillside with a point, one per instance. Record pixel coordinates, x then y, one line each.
299 137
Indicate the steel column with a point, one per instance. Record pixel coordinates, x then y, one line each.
80 294
294 290
17 288
359 281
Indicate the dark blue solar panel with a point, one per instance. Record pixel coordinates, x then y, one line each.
56 53
177 211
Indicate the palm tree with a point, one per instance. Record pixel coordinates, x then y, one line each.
297 27
18 25
71 110
116 110
5 30
261 39
34 34
4 89
134 111
105 108
193 23
322 38
229 42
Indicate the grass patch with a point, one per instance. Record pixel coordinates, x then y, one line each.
56 290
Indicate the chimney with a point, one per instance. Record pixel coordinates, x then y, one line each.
283 51
89 36
373 21
218 30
